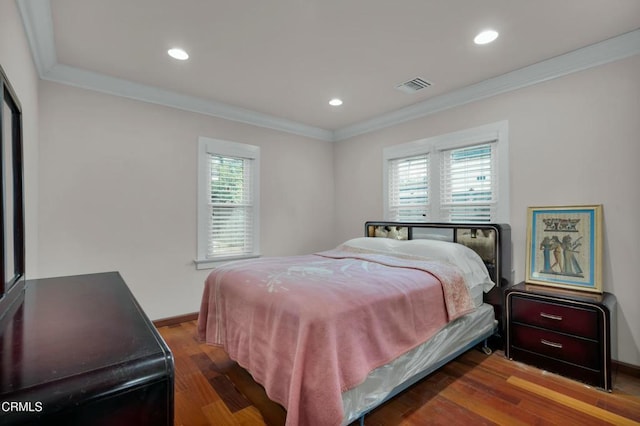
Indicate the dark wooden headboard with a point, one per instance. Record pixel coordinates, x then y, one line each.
490 240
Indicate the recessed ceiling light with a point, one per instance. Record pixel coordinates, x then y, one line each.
335 102
486 37
178 53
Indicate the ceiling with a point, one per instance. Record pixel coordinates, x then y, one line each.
278 63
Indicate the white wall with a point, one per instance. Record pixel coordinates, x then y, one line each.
573 140
118 192
15 58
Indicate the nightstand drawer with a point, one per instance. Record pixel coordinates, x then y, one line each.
570 349
567 319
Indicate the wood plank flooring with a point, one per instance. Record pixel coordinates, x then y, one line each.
474 389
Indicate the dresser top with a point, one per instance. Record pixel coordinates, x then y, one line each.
72 332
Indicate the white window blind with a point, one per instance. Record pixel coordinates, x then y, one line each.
230 206
468 183
409 188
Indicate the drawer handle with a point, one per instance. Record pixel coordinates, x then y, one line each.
552 344
549 316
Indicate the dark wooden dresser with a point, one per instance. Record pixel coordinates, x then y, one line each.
79 350
565 332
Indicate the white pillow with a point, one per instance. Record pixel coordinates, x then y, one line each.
471 266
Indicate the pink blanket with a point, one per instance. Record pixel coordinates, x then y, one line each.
309 327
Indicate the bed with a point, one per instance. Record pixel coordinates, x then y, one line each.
334 334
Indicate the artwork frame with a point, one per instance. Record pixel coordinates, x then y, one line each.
564 247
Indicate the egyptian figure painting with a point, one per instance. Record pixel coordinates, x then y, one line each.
563 246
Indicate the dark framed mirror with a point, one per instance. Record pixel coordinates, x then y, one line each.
12 260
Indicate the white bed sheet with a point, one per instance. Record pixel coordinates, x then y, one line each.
381 381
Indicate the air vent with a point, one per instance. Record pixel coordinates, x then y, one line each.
414 85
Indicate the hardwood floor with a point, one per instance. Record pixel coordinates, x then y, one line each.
474 389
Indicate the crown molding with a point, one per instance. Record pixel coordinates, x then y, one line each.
38 23
119 87
38 26
610 50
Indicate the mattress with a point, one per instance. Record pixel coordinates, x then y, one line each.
457 335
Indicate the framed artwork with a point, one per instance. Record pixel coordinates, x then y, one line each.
564 247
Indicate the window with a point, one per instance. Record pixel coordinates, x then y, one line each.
409 188
228 201
458 177
468 187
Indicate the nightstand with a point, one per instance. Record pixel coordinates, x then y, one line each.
562 331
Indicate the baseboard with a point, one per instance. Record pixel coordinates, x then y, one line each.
166 322
628 369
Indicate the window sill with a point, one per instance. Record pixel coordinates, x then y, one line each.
212 263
